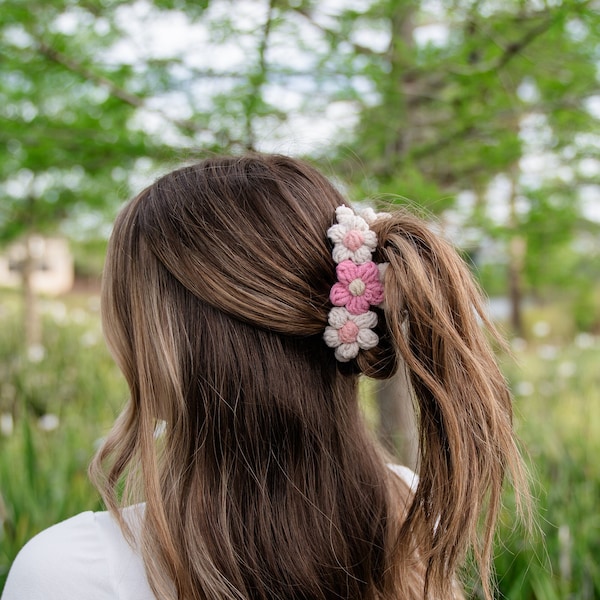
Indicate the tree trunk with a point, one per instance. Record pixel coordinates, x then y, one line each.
515 286
397 427
31 318
516 257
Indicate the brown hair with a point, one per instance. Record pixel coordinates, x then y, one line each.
266 483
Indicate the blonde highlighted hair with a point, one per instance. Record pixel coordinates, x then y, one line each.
266 484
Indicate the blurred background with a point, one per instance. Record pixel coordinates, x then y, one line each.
481 115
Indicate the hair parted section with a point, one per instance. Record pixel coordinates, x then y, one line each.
265 483
240 243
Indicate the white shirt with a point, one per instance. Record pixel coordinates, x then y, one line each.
87 557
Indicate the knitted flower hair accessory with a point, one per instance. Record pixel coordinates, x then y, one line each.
359 284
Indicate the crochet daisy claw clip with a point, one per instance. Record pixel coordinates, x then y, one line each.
359 284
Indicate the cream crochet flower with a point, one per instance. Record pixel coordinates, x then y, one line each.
370 216
349 333
352 238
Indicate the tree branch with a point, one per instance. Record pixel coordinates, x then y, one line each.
359 48
517 47
113 89
510 51
80 69
257 80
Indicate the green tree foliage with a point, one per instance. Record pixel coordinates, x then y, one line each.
90 92
501 87
452 108
66 140
433 117
64 134
90 89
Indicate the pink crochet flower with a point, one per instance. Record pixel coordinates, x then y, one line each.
349 333
358 287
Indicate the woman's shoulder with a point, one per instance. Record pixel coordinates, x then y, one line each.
85 556
63 561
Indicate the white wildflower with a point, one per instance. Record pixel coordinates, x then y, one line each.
36 353
48 422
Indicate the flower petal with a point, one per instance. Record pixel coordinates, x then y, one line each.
382 269
343 211
370 216
331 337
346 352
374 293
362 255
368 272
336 233
367 339
339 294
340 253
357 223
357 305
338 317
365 320
370 239
347 271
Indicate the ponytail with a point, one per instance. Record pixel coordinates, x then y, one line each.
433 317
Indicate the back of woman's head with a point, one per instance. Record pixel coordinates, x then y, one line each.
265 483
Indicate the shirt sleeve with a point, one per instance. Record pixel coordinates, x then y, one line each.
65 562
407 475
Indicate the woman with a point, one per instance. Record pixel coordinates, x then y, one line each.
242 299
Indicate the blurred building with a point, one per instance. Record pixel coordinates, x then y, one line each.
53 269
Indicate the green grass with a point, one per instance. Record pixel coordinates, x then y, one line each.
557 392
61 397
